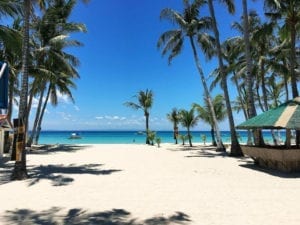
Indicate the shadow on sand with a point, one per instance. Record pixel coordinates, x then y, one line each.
77 216
5 170
207 154
251 165
48 149
57 173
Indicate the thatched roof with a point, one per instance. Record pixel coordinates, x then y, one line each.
287 115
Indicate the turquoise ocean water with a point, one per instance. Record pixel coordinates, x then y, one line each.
128 137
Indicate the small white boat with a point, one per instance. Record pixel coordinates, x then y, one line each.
74 136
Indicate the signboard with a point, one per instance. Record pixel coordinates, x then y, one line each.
3 85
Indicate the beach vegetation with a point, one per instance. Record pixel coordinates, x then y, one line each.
203 138
144 103
158 141
191 26
174 118
151 137
188 119
183 138
204 113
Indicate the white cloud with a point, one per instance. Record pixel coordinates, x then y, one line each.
76 108
64 115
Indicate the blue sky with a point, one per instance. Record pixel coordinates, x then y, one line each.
120 58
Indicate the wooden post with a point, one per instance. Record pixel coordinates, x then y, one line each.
18 144
288 138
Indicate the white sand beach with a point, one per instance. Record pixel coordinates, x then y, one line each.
119 184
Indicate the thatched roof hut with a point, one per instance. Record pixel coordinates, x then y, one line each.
286 116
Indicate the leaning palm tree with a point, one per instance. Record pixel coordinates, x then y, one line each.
235 146
174 118
205 113
52 39
145 102
189 25
188 120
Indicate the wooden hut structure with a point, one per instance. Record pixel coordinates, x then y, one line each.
5 128
284 158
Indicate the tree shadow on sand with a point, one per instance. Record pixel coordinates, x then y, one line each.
49 149
207 154
57 173
77 216
5 170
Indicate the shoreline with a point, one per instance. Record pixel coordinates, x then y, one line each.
135 184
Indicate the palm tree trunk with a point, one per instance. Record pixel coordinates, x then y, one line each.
147 128
20 170
10 97
40 119
293 61
213 139
37 116
220 146
176 134
249 78
235 146
293 74
189 137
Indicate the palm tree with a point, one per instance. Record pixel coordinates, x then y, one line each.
188 120
10 8
52 38
20 170
205 114
145 102
289 12
189 26
174 118
235 146
249 78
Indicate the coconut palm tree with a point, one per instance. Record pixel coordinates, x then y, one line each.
189 25
188 120
249 66
205 113
10 8
174 118
289 13
20 170
235 146
52 39
145 102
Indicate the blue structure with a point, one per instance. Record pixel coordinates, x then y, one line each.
3 85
